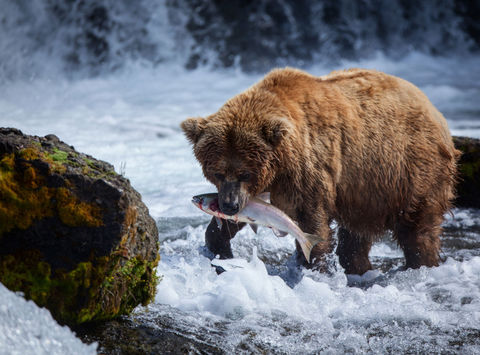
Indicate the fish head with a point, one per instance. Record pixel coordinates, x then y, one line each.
207 202
198 201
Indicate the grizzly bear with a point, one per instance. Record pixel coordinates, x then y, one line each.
359 147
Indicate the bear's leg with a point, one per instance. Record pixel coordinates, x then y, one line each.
217 239
352 252
420 243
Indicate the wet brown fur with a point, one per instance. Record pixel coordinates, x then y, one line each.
364 148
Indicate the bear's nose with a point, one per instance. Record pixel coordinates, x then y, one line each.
229 208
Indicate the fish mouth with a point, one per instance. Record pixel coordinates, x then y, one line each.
197 200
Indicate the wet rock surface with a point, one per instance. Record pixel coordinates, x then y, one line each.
75 237
134 335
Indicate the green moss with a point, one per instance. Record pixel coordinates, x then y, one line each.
58 155
100 289
91 169
89 162
24 197
75 213
141 277
55 160
95 174
20 276
30 154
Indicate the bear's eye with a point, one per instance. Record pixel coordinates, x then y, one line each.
219 176
244 177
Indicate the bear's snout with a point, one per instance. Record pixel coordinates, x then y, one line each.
231 197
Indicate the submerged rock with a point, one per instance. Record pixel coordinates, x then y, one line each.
75 237
159 335
468 187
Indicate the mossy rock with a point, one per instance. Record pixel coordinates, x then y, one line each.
75 237
468 187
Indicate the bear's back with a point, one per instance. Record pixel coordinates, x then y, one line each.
394 146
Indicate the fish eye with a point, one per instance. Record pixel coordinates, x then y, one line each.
244 177
219 176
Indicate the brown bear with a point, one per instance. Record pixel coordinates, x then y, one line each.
360 147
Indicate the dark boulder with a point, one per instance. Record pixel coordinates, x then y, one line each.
75 237
468 187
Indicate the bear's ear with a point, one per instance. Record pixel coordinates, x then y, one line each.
193 128
276 129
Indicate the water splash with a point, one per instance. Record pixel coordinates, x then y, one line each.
88 38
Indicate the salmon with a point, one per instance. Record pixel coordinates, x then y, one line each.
259 212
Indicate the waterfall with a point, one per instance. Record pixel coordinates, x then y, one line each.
89 38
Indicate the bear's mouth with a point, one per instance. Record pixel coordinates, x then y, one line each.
232 197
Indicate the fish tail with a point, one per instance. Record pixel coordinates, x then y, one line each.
308 243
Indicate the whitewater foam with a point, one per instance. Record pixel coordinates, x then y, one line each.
426 301
28 329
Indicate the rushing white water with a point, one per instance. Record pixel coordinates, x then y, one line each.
27 329
263 301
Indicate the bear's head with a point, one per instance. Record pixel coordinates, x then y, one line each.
239 147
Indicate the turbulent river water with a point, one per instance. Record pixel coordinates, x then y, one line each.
126 109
